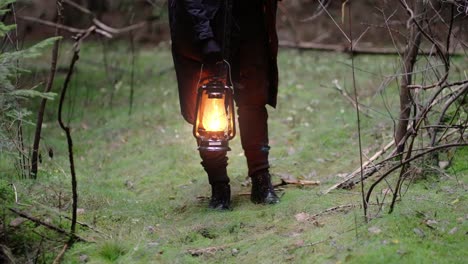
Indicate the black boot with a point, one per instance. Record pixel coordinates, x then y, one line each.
220 196
262 189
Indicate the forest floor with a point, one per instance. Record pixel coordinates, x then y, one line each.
142 189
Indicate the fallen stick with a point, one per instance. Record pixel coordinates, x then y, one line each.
203 251
303 45
358 170
47 225
296 182
59 257
333 209
86 225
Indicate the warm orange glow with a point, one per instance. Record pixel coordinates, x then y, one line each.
214 115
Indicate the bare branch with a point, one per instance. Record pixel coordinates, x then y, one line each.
47 225
419 155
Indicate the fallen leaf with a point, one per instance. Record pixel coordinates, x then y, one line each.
431 223
287 177
17 221
153 244
294 234
302 217
401 252
151 229
342 175
234 251
419 232
246 182
291 151
453 230
374 230
84 258
129 184
299 243
443 164
84 126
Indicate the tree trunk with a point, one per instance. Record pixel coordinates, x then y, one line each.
409 59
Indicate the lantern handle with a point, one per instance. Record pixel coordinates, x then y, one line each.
228 74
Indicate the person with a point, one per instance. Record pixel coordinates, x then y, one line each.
197 30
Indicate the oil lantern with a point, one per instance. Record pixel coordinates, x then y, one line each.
214 122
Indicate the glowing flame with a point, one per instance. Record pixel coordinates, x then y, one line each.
214 116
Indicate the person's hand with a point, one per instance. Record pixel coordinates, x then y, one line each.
211 52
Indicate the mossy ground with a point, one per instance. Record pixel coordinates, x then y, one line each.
140 182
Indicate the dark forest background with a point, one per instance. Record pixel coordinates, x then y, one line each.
298 20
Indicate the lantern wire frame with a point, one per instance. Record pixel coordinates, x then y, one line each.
228 74
229 83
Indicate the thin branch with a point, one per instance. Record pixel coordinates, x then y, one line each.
416 86
60 214
76 51
358 116
348 97
334 209
48 88
290 21
444 110
353 174
47 225
304 45
334 21
103 26
419 155
318 11
16 192
79 7
52 24
132 73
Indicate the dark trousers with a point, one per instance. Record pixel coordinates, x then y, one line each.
254 139
249 68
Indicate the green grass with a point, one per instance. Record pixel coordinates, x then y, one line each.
141 184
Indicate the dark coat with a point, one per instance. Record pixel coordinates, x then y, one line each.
192 23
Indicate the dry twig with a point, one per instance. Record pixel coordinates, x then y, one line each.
296 182
47 225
